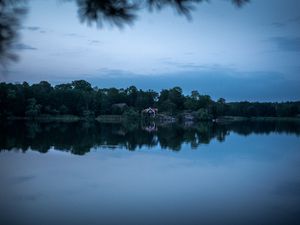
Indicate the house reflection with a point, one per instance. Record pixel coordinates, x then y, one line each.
150 127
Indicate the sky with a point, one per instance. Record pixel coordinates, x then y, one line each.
249 53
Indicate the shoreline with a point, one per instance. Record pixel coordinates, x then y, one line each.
122 118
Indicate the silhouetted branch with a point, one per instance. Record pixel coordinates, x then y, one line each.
115 12
240 3
183 7
11 14
121 12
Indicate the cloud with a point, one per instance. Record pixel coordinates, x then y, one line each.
74 35
291 44
34 29
231 84
22 46
22 179
116 73
70 53
283 23
294 20
278 24
94 42
191 66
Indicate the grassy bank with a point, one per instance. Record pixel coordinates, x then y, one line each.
50 118
111 118
123 118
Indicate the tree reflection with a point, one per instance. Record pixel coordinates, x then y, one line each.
79 138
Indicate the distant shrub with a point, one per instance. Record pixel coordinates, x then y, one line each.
32 109
88 113
203 115
130 113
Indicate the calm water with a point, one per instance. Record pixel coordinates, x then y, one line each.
90 173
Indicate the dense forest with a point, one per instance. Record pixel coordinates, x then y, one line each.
79 98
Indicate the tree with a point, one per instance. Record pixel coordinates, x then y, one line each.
32 109
204 101
203 115
168 106
132 94
82 85
80 99
192 102
63 87
176 97
221 101
63 109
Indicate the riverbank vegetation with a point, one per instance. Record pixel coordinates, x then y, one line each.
78 99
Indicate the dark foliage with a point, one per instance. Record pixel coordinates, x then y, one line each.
81 99
116 12
120 12
11 15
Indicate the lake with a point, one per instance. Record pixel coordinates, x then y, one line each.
92 173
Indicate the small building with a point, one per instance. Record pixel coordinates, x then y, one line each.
151 112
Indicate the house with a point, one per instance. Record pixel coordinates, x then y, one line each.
151 112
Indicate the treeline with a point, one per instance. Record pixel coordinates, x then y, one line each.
81 99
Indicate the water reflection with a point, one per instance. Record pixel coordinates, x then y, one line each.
79 138
233 180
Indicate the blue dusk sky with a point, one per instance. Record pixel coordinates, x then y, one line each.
249 53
